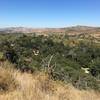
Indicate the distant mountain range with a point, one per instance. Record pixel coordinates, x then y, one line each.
30 30
68 30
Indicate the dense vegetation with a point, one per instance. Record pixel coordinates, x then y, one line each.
63 57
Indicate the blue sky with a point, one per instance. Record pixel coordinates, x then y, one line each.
49 13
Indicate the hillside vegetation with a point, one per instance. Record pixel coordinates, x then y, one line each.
70 59
15 85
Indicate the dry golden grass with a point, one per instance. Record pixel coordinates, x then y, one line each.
38 87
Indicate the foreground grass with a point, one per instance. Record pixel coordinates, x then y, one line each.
15 85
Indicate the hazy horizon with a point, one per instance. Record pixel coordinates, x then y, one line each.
47 27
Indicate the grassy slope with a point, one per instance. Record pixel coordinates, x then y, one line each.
24 86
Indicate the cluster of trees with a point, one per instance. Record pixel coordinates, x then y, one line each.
55 55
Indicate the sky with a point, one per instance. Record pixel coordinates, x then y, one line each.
49 13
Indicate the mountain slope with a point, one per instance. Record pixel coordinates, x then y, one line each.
39 87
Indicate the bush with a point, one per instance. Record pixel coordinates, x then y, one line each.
7 81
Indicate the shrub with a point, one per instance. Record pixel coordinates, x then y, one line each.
7 81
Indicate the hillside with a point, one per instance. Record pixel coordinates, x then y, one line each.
15 85
76 29
51 67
